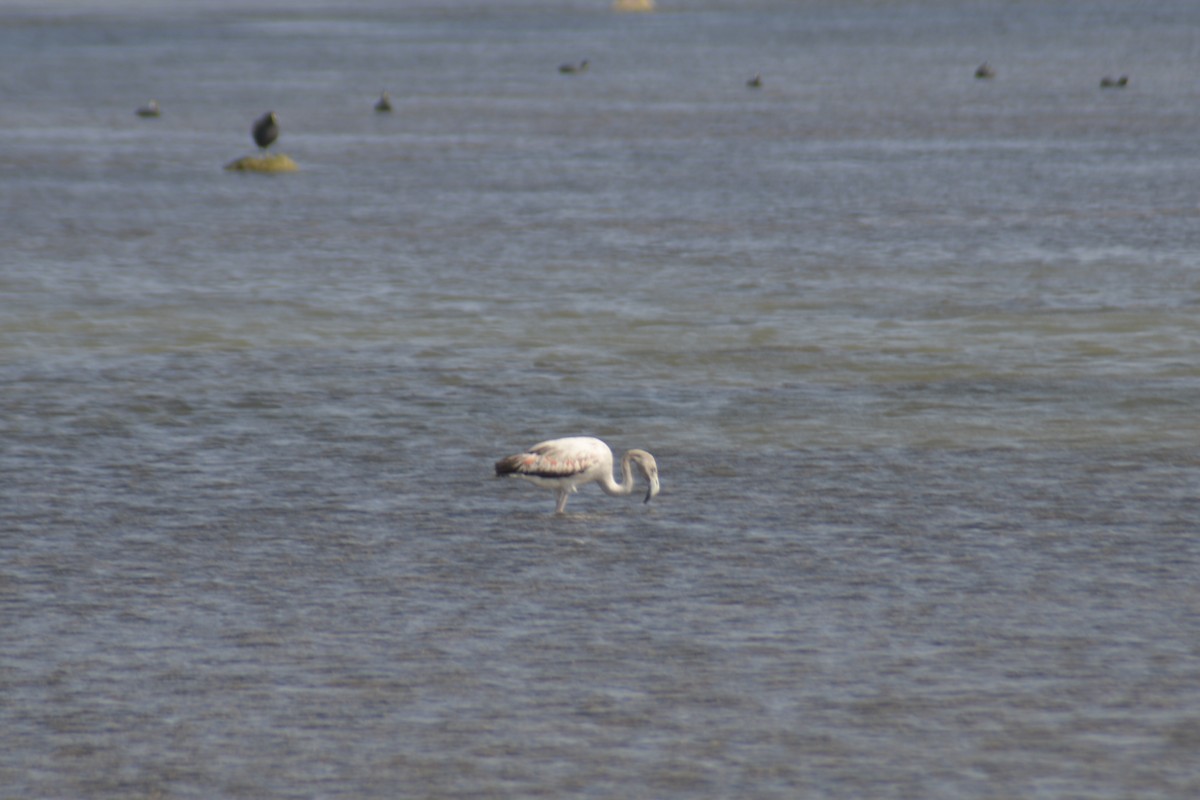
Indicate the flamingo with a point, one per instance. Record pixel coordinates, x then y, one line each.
566 464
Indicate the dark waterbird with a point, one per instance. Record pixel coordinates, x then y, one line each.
266 130
385 103
573 69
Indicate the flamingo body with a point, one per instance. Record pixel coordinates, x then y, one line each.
566 464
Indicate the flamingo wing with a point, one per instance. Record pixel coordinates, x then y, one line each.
558 458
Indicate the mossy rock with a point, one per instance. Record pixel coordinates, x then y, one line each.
272 162
633 5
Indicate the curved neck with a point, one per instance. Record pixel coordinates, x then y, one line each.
625 486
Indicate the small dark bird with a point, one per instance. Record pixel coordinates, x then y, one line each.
985 71
265 130
384 104
755 82
1114 83
572 69
149 110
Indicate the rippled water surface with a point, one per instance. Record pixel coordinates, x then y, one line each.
916 353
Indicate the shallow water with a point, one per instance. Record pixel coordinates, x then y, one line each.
916 354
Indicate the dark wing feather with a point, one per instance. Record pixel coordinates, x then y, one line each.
539 462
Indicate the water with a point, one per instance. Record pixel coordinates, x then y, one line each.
916 354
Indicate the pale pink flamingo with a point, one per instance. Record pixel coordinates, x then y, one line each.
566 464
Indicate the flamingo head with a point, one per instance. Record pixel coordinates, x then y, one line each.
649 468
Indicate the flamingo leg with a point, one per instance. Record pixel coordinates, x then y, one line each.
562 494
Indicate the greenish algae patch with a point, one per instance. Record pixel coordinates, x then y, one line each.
274 162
